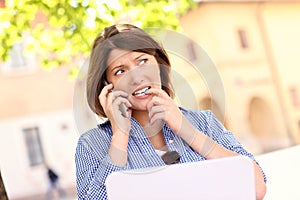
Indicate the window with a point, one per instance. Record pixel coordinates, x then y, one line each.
191 51
34 146
243 38
17 59
19 63
16 56
294 96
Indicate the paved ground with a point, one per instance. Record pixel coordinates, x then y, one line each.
71 195
43 197
282 170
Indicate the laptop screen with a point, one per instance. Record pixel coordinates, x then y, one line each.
229 178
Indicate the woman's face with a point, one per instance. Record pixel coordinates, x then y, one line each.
134 73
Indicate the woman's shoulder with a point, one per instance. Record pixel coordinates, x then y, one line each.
101 132
199 118
95 141
196 113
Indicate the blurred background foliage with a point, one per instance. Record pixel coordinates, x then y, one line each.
59 32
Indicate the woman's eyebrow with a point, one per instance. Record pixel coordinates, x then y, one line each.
116 67
139 56
119 66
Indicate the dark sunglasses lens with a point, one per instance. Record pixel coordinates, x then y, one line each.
171 157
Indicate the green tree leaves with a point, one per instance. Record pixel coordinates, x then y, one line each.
60 32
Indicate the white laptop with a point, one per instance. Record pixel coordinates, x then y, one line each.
219 179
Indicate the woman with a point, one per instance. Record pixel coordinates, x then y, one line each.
128 82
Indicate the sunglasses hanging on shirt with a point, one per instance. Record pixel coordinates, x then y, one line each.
171 157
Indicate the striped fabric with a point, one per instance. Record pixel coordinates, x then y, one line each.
93 164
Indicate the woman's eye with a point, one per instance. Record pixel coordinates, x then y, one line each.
143 61
120 71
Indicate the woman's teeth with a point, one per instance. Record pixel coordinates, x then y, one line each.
141 92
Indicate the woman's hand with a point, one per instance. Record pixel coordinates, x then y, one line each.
162 107
111 101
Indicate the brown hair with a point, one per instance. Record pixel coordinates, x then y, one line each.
126 37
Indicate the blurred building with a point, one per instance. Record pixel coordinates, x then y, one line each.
36 126
254 46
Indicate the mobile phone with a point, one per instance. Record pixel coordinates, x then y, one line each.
123 108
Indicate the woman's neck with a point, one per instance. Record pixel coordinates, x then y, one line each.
154 132
142 116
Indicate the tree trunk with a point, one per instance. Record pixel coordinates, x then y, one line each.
3 195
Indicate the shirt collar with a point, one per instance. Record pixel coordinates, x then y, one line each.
103 124
136 129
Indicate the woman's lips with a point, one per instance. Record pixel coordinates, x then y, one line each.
141 92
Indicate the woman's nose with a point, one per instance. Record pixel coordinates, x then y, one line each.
135 76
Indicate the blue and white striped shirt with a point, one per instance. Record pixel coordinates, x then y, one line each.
93 163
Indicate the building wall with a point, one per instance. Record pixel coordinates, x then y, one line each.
282 22
30 91
248 72
58 139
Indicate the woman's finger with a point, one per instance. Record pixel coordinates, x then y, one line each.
115 94
155 109
157 116
121 106
156 92
103 94
155 101
121 100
